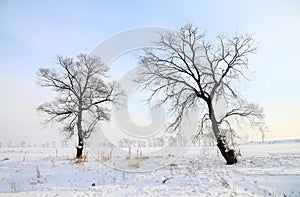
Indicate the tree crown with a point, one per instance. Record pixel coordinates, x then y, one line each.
82 91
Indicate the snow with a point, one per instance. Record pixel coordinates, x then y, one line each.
264 169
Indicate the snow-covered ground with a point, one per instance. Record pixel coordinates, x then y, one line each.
264 169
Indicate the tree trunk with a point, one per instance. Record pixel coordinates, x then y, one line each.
229 154
79 148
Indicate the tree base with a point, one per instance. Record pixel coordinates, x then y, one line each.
79 152
229 155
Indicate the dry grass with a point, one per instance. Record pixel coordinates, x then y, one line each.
85 158
81 159
105 157
173 168
135 164
129 153
173 165
5 159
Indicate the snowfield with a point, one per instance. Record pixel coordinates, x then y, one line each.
264 169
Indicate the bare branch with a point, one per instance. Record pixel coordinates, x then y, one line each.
188 71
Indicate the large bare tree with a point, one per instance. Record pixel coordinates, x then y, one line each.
190 73
84 97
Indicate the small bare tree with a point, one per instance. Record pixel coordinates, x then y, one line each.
83 99
192 74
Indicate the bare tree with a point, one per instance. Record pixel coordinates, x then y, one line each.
192 74
263 129
84 97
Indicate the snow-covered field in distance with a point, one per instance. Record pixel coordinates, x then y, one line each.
264 169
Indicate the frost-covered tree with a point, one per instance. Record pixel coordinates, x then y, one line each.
83 96
191 73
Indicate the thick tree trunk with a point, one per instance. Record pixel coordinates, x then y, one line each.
229 154
79 148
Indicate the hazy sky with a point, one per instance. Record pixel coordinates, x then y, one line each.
32 33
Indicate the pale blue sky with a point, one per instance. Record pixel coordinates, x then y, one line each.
32 33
